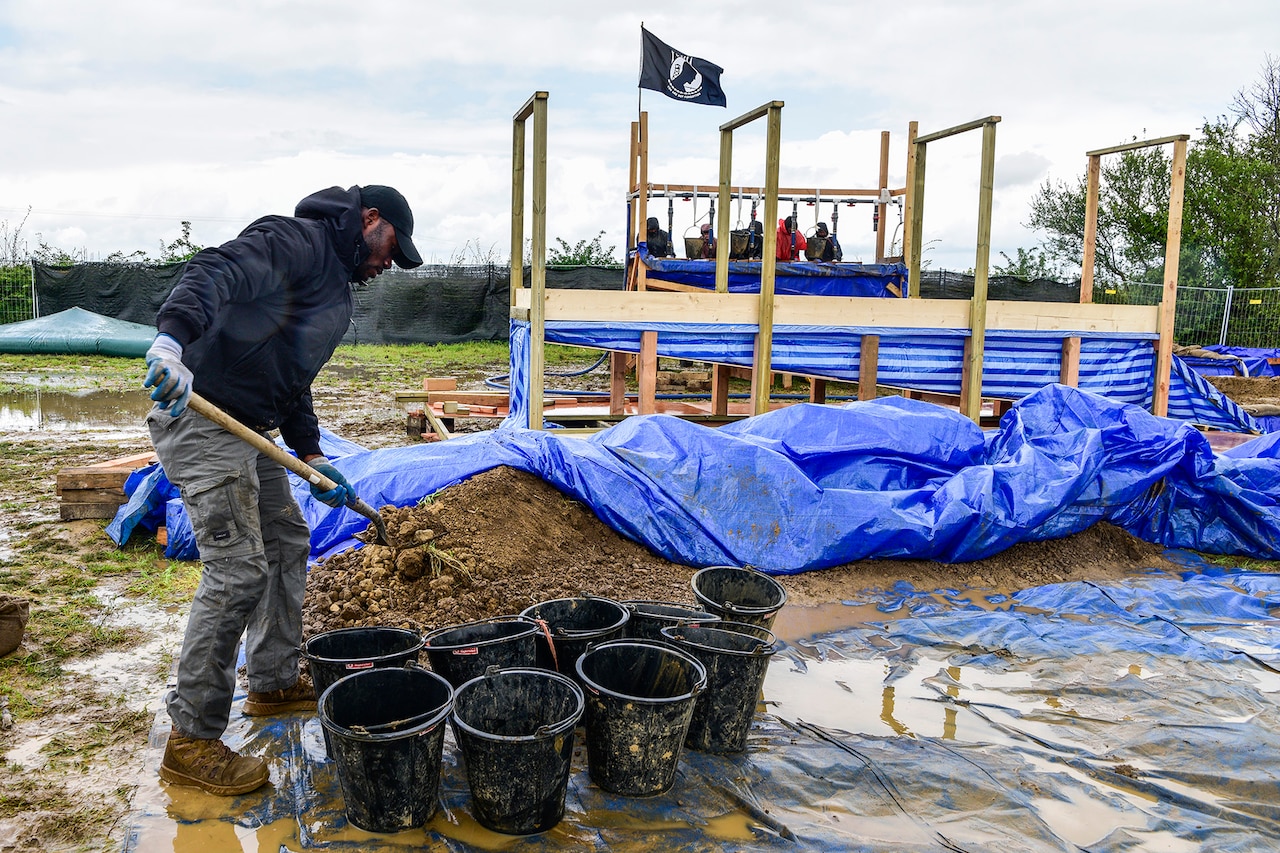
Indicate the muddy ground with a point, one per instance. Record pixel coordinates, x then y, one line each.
86 684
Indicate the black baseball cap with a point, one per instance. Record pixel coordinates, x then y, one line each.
393 208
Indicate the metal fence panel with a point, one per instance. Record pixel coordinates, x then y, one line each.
17 287
1230 316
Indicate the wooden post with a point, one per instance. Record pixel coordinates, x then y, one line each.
642 199
517 205
881 208
817 390
1093 177
720 389
1069 373
762 372
1172 249
868 366
722 226
617 382
914 232
647 373
537 107
971 402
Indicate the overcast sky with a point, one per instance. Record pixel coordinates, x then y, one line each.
121 119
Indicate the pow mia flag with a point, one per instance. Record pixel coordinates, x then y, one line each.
678 75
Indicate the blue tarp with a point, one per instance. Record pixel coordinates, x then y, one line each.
807 278
813 486
1256 359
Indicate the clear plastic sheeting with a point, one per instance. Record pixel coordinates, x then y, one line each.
1139 715
813 486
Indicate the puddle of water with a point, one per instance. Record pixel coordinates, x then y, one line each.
130 673
62 411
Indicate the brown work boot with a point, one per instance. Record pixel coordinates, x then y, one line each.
211 765
300 697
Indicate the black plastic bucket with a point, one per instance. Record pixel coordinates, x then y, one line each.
515 729
339 653
572 624
463 652
648 618
736 657
739 595
640 697
385 730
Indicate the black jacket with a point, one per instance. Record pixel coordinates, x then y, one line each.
259 316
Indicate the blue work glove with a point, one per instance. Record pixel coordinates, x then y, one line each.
166 373
343 495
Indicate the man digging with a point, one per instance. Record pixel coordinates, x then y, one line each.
248 326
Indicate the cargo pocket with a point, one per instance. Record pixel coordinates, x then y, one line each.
216 506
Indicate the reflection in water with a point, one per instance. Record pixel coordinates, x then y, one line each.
61 411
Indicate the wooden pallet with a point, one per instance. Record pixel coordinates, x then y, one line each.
97 490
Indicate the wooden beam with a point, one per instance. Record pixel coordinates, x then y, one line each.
705 306
959 128
1092 180
827 193
868 366
1140 143
647 373
1168 304
746 118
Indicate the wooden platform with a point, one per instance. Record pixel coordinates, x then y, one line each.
97 490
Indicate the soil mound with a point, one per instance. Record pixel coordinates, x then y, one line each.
506 539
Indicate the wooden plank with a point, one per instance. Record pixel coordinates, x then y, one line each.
868 365
959 128
439 383
80 511
92 496
827 193
851 311
817 390
107 474
1071 317
1141 143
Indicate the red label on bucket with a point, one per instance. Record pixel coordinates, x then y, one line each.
470 650
365 665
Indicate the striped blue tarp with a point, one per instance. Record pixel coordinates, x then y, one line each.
1120 367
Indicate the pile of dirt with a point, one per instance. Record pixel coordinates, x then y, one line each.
1257 395
505 539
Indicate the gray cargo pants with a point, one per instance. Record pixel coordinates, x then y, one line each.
254 544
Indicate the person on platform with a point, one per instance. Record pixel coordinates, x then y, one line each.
657 240
708 251
831 251
791 242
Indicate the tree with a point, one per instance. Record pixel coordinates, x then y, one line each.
582 254
1029 265
1231 209
181 249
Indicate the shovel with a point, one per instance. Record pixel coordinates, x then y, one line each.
268 448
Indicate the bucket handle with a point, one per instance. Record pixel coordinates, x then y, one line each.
394 725
546 632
